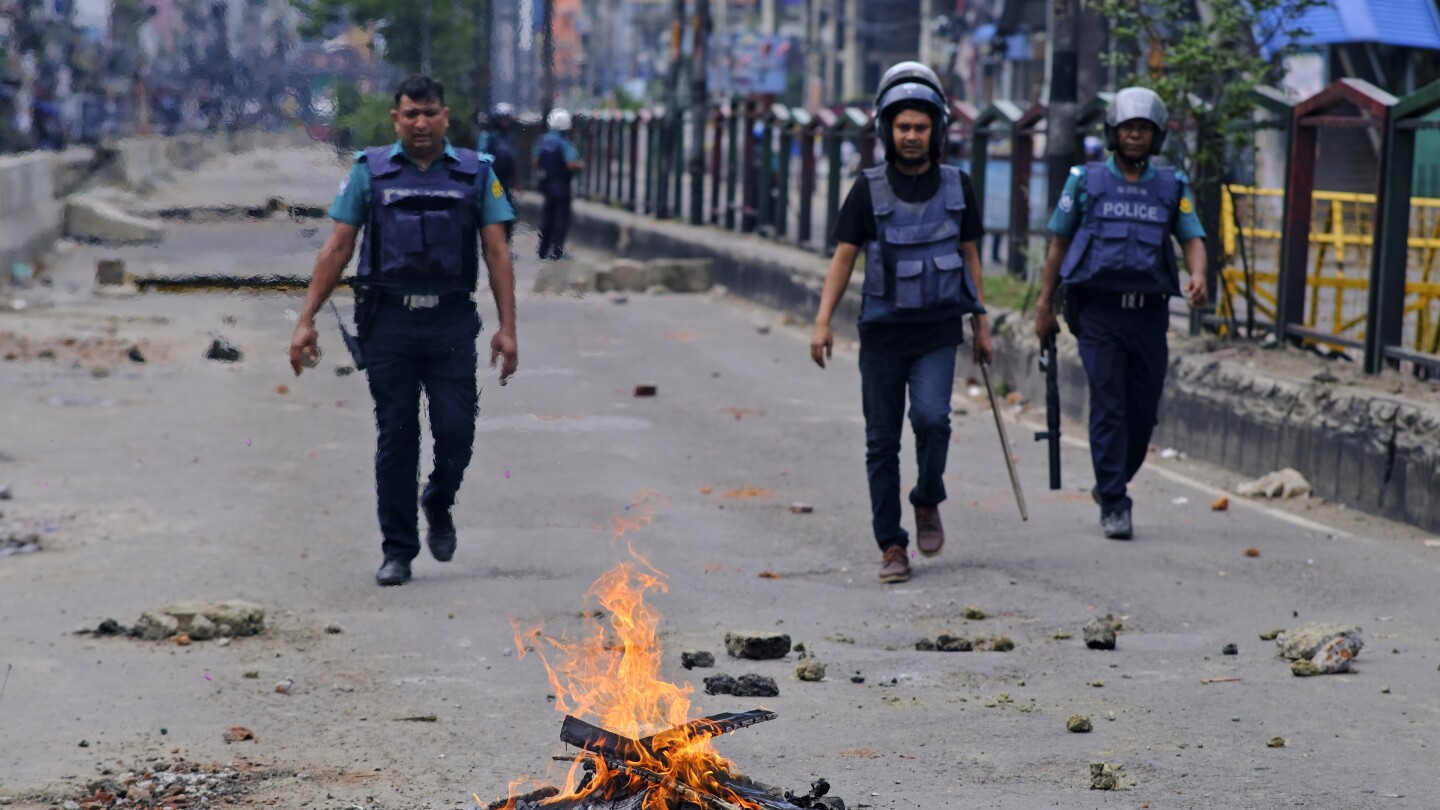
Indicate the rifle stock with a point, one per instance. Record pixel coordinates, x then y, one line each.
352 343
1050 364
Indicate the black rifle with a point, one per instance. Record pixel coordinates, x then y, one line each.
1050 364
352 343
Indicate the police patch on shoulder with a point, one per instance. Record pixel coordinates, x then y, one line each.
1076 170
1185 206
1066 203
496 190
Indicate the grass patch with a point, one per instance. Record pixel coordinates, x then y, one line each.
1005 291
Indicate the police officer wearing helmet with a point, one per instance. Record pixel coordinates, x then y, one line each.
558 160
422 203
1111 250
497 140
918 223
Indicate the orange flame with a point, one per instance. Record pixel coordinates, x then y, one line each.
611 678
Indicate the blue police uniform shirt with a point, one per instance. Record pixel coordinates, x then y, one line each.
352 203
571 153
1075 203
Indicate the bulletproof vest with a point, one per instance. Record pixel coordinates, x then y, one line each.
422 227
914 269
501 146
556 180
1123 245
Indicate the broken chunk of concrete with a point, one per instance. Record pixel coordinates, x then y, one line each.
1303 668
690 659
1336 655
1078 724
810 669
1104 776
757 646
973 613
241 617
1306 640
155 625
683 275
1100 632
224 351
749 685
202 629
1286 483
562 277
90 219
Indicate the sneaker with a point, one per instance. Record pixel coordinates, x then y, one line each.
929 532
393 572
1116 524
896 566
441 536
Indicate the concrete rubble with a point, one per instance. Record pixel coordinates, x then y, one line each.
89 218
627 275
810 669
1105 776
1320 649
1100 632
749 685
191 621
1286 483
757 646
690 659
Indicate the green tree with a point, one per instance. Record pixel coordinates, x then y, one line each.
1203 58
451 36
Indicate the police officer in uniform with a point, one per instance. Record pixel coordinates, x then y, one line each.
1111 250
497 140
422 203
918 223
558 160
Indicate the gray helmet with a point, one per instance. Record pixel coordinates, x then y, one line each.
503 110
1132 103
911 82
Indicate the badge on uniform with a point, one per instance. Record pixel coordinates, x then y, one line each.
495 190
1066 202
1185 206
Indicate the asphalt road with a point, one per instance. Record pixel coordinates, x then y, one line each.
185 478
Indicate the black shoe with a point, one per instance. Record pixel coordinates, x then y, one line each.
441 537
1116 524
393 572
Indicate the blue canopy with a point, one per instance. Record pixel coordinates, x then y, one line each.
1407 23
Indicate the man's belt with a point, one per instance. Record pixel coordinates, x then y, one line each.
424 301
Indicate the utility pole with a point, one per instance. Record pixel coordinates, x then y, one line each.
482 55
670 126
1062 143
547 59
425 37
699 108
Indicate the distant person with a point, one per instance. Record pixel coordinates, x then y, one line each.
557 160
918 222
421 202
1094 149
1111 249
497 140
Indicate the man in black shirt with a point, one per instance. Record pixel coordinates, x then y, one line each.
919 224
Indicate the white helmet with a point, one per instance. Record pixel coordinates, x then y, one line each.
558 119
1136 103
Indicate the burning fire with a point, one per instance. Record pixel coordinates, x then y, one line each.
611 678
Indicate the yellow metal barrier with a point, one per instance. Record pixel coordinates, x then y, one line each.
1337 284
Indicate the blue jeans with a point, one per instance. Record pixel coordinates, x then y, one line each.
883 382
1125 357
408 350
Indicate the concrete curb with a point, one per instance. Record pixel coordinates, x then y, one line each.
1370 451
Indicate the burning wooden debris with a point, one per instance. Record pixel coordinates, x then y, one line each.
618 773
